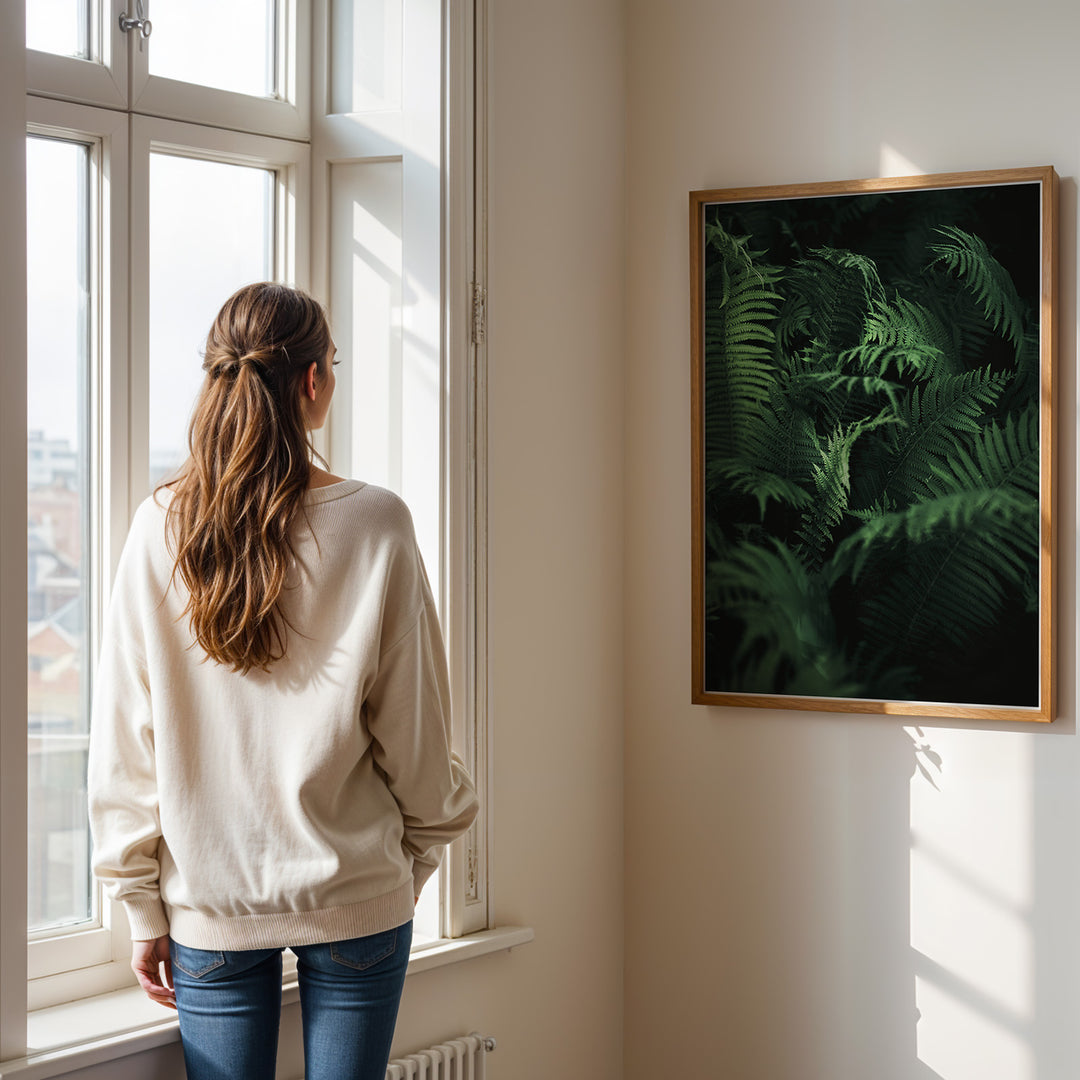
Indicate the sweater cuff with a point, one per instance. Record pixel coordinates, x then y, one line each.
146 918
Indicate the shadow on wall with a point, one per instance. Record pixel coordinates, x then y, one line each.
960 904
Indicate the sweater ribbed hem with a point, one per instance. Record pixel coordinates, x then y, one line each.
282 929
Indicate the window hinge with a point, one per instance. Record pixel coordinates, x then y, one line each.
479 313
473 872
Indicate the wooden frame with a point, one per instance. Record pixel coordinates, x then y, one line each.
873 445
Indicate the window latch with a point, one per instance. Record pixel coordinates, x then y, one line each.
142 24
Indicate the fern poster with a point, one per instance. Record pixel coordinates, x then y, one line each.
872 445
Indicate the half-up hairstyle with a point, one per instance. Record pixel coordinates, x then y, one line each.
237 496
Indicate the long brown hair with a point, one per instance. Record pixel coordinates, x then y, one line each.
243 485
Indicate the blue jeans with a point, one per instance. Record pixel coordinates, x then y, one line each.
230 1007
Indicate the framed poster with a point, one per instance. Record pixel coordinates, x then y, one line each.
873 445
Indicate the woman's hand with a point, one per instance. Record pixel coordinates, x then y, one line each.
153 968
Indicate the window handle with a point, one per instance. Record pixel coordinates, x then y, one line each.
142 24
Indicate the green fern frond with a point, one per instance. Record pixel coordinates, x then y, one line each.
787 642
832 484
955 512
759 483
969 259
881 361
1001 456
944 566
740 303
911 336
830 293
1025 385
931 419
792 327
786 440
821 386
871 453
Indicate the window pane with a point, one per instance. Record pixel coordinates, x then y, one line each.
58 501
211 231
58 26
228 46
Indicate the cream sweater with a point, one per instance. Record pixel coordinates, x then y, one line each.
304 805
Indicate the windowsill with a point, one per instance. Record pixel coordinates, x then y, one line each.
83 1033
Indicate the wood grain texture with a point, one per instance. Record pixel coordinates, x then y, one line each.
697 448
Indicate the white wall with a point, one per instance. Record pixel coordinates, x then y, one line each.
801 901
555 301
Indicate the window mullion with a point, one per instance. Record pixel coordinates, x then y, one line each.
137 317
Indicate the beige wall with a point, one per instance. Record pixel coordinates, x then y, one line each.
800 900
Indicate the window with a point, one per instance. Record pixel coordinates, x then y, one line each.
125 260
58 226
73 232
142 155
239 54
197 206
61 28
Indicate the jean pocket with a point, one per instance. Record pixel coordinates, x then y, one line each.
364 952
195 962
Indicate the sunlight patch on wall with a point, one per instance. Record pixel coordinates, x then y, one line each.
962 1043
971 901
892 163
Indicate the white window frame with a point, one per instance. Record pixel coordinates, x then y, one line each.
105 84
287 116
465 546
288 159
106 133
13 607
82 961
101 79
93 960
375 136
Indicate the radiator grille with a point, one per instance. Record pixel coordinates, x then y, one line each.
456 1059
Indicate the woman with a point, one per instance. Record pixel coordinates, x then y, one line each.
270 759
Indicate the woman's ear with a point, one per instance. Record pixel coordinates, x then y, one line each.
309 380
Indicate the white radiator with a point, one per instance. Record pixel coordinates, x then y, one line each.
457 1059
